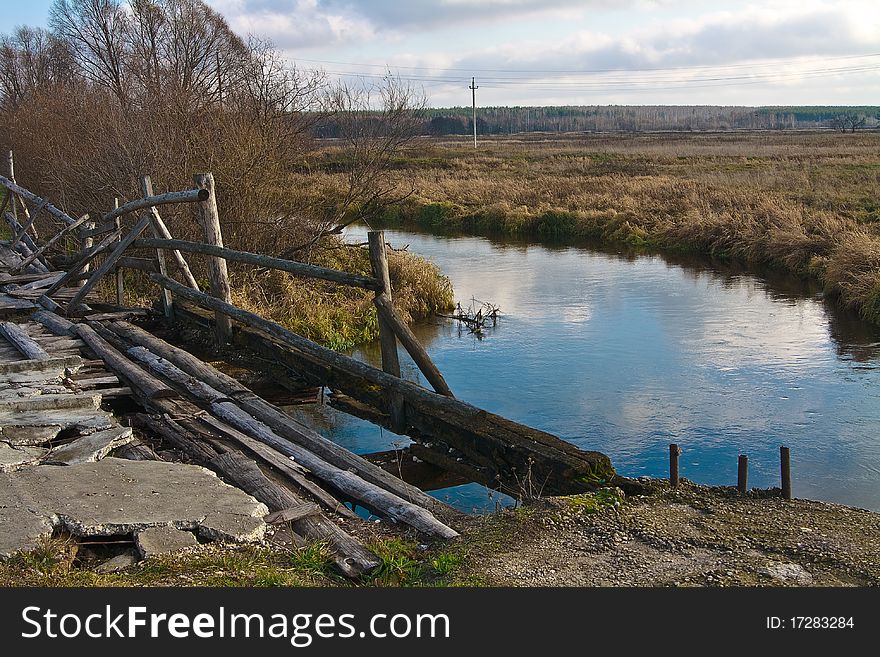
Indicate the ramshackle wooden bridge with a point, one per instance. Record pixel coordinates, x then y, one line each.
66 353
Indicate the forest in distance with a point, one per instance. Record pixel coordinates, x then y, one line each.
639 118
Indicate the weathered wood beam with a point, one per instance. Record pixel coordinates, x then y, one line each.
89 255
164 295
351 485
186 196
39 252
19 339
160 231
150 386
269 262
36 200
280 422
387 341
408 339
209 217
109 263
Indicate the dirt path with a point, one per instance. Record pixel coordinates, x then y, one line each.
693 536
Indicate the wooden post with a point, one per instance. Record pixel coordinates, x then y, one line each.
674 453
120 282
11 166
742 475
210 220
87 243
164 295
387 340
785 468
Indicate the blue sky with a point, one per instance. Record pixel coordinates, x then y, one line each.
552 52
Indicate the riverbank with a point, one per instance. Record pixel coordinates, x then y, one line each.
690 536
805 202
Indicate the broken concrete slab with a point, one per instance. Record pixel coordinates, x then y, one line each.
16 458
232 527
117 563
90 448
156 541
83 421
65 401
116 496
29 436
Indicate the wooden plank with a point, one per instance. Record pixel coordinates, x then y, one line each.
55 366
160 231
19 338
26 243
39 252
43 282
109 262
18 279
99 229
292 514
29 222
8 303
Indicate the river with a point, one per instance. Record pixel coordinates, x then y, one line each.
625 353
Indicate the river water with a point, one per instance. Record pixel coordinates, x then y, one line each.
627 353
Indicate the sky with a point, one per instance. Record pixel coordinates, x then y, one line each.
576 52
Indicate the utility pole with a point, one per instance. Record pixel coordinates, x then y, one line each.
473 89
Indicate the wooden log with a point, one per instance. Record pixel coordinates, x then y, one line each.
36 200
29 222
674 454
16 279
100 229
160 231
79 266
26 241
54 322
292 514
387 340
141 264
164 295
19 339
280 422
169 430
350 556
785 471
118 274
411 343
186 196
136 451
515 449
209 217
150 386
365 493
290 266
109 263
742 474
87 243
286 466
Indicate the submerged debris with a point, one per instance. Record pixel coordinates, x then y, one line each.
477 316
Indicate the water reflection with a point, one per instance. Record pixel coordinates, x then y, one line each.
625 352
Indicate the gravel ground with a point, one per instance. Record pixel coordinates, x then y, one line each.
690 536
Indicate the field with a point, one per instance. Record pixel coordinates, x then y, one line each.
806 202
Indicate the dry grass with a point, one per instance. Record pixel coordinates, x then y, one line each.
807 202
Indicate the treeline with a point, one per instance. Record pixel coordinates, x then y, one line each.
621 118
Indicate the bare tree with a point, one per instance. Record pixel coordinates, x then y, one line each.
374 123
96 30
